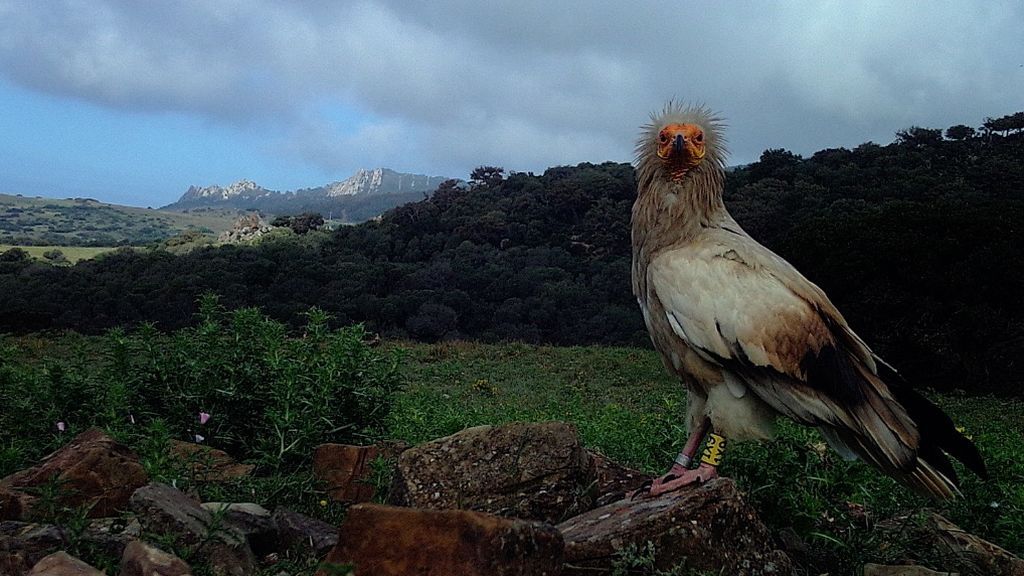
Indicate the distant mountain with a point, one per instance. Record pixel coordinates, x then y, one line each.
368 193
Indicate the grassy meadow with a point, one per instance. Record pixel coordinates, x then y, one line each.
274 395
72 254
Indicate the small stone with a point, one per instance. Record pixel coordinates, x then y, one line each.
207 464
252 520
300 532
391 541
62 564
141 559
22 545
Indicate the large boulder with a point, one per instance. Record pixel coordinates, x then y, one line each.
93 471
537 471
162 509
391 541
347 470
62 564
708 527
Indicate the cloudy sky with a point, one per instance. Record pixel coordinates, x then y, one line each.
131 102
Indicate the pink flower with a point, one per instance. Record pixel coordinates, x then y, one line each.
61 427
204 417
200 438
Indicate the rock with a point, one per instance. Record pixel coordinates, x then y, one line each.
391 541
162 509
62 564
611 481
207 464
93 470
537 471
299 532
880 570
14 505
708 527
347 470
141 559
22 545
974 554
109 536
252 520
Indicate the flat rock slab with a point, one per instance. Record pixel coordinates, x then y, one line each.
391 541
538 471
883 570
94 471
973 553
708 527
63 564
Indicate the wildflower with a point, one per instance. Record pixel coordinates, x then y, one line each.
131 418
323 503
61 426
200 437
963 431
204 417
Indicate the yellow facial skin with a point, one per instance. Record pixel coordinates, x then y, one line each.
681 147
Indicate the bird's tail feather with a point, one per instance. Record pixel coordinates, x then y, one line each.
929 471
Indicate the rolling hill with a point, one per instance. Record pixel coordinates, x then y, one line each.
36 221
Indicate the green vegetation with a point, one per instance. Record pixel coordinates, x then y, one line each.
71 254
272 397
913 241
627 407
85 222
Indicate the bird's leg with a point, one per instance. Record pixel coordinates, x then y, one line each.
681 474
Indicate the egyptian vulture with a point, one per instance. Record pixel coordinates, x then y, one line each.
751 338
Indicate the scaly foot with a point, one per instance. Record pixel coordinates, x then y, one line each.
676 478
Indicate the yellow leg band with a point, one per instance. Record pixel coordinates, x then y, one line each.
715 449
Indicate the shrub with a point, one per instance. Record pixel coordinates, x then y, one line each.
270 397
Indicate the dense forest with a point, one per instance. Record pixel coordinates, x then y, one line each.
917 242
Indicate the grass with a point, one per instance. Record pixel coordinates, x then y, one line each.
620 399
626 406
71 253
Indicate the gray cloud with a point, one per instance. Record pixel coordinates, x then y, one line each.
526 84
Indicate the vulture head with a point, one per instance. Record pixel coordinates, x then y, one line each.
679 141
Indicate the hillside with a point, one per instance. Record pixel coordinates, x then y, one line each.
365 195
85 222
911 240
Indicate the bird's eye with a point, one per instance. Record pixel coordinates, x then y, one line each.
663 138
699 137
